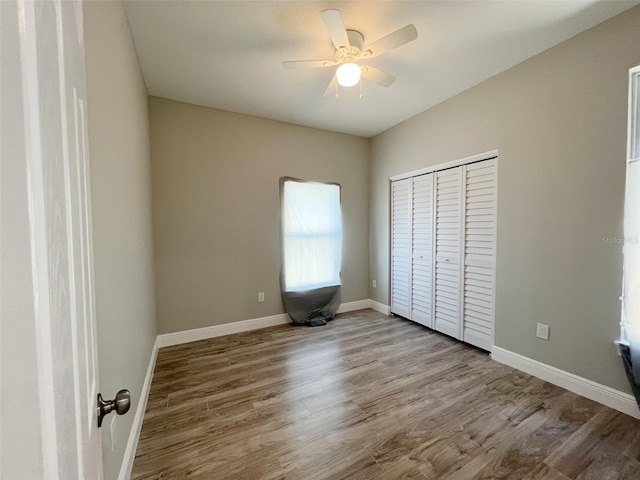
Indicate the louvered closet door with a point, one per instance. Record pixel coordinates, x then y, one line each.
422 250
480 248
448 251
401 247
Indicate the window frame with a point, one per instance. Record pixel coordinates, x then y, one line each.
283 236
633 156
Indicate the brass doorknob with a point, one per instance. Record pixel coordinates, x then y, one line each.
120 404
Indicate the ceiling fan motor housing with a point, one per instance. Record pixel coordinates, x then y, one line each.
353 52
356 39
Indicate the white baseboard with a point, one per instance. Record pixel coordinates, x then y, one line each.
608 396
380 307
352 306
136 427
186 336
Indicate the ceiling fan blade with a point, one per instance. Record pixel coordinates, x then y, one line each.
335 26
330 92
378 76
309 64
393 40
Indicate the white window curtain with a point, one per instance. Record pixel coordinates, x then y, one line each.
312 235
631 249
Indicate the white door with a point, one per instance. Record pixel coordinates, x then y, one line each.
422 250
448 251
48 45
479 253
401 247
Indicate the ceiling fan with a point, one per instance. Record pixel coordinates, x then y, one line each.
350 51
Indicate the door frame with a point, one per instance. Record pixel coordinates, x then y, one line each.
463 163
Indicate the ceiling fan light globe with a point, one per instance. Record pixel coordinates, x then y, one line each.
348 74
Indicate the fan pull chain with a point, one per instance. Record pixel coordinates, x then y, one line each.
361 87
337 96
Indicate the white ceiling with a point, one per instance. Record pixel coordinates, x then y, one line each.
228 54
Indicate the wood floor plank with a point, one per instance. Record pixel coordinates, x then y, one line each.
403 469
520 455
321 459
368 397
597 449
544 472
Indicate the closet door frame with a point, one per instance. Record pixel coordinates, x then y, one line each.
444 166
463 162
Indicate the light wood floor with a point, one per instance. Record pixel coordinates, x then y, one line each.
369 397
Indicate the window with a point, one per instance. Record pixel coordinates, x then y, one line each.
311 235
631 244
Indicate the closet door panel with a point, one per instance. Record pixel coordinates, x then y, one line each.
401 247
448 250
422 250
479 253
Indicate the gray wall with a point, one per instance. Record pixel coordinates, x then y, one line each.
122 229
216 209
559 122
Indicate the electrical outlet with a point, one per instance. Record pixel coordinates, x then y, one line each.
542 331
113 432
374 284
260 297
